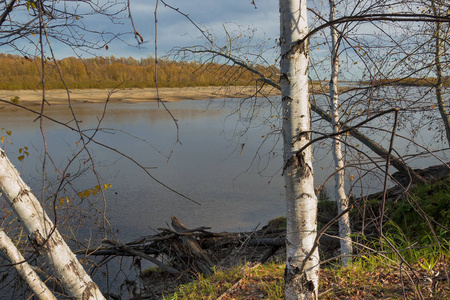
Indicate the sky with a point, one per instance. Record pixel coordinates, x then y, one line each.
174 29
216 17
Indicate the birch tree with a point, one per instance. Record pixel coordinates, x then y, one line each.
24 269
341 197
302 258
43 234
440 36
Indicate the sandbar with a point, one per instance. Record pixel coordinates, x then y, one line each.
134 95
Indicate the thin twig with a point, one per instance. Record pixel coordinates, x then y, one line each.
386 173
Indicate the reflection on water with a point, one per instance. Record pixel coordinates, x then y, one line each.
205 167
222 175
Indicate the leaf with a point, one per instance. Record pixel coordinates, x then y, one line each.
2 139
8 132
94 192
20 150
140 36
98 188
81 195
87 193
61 202
21 157
15 99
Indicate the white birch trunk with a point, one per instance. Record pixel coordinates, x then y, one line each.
23 268
439 44
302 276
43 236
339 178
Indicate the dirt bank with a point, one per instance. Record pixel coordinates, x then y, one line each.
60 97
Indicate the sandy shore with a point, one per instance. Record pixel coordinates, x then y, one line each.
59 97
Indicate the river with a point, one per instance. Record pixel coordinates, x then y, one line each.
228 161
211 165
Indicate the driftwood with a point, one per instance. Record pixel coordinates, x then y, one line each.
202 261
184 252
134 252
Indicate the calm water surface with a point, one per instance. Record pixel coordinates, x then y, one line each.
228 170
209 166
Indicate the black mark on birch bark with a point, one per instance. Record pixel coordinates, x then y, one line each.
87 293
286 98
284 76
72 266
302 48
37 240
24 192
297 161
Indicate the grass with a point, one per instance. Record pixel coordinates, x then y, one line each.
432 201
243 282
369 277
409 263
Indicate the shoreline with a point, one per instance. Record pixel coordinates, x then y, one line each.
128 95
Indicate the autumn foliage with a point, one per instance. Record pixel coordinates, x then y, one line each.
18 72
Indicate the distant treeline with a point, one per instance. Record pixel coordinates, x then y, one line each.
430 81
18 72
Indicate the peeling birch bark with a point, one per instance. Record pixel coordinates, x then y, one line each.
302 277
43 235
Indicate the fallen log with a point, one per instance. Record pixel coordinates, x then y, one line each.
194 250
201 259
143 255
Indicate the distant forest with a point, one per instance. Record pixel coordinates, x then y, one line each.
18 72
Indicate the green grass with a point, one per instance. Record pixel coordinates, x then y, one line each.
399 266
264 281
369 277
426 202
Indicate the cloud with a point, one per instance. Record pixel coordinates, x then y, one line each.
175 30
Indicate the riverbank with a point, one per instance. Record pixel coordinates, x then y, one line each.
135 95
